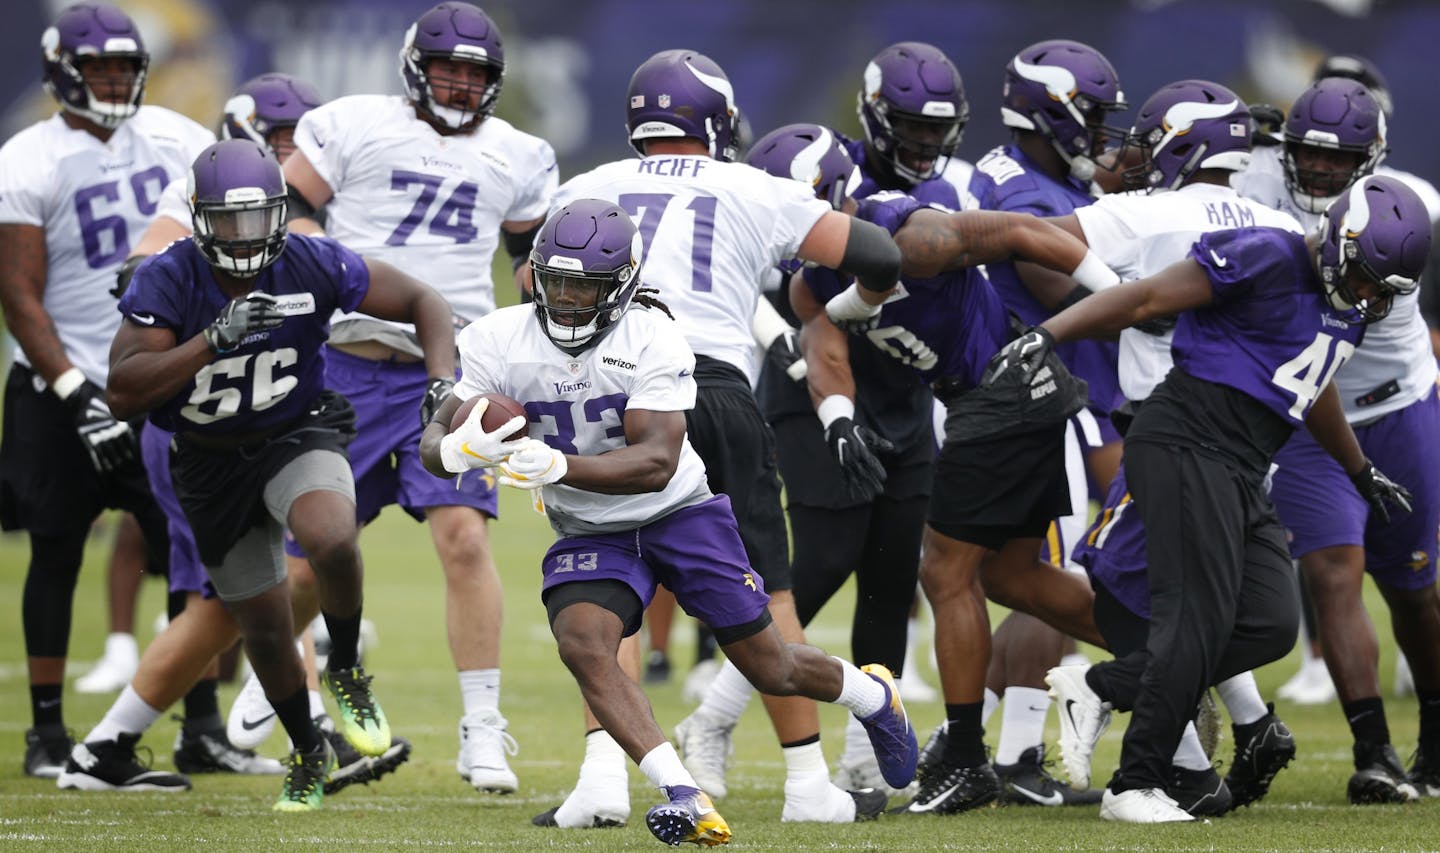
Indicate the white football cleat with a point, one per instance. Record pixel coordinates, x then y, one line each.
114 669
1311 685
1142 805
706 746
484 743
697 681
251 718
1084 716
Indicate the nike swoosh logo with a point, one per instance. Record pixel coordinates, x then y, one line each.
251 725
48 703
1053 799
918 808
1070 703
1039 708
143 319
1219 261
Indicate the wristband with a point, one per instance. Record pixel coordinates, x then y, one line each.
767 324
67 383
1093 273
833 408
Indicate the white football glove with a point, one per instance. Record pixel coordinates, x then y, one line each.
533 465
471 446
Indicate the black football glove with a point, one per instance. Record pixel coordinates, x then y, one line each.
110 443
242 316
1024 354
437 391
784 353
124 274
854 448
1378 489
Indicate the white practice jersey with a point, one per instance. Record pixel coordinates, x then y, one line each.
1394 350
712 231
577 403
1138 235
427 203
94 200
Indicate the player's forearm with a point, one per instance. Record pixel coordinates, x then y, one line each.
435 327
141 381
827 354
628 471
33 328
1102 315
1326 422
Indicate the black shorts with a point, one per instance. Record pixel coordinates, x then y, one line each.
1002 487
48 485
812 476
738 449
222 489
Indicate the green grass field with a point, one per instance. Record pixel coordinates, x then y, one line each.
425 804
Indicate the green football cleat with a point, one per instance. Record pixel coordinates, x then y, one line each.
361 720
305 775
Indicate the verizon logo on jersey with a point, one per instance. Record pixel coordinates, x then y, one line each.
295 304
619 363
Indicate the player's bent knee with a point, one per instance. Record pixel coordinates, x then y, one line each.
613 596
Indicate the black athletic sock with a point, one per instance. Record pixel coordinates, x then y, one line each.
45 704
965 737
1367 720
344 641
294 714
1429 716
202 708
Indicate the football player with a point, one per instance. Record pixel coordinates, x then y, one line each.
1335 136
606 379
75 190
1058 96
432 182
1266 317
221 345
713 229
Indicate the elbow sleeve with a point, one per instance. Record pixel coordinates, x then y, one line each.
871 256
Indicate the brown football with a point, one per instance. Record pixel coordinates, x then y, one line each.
500 410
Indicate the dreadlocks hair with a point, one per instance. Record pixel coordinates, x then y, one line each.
642 297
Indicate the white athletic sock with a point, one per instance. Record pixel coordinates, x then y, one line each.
662 767
317 704
480 690
858 749
805 763
1190 754
130 715
987 710
728 694
1242 698
1023 724
860 693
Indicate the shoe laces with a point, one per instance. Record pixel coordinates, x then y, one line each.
301 778
353 685
488 732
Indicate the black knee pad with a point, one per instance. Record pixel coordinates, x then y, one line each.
607 593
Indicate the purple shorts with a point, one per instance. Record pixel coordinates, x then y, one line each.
1321 509
385 454
1113 550
187 573
695 552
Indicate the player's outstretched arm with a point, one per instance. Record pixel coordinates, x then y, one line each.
933 242
395 295
1179 287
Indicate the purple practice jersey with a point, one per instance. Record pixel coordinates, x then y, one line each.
1007 180
947 326
1270 333
273 376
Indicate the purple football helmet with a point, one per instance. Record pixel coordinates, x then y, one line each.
1361 70
266 104
1337 114
912 108
1185 127
237 205
93 31
460 32
1062 90
811 154
586 263
681 93
1381 226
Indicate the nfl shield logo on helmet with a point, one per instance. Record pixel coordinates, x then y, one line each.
663 101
